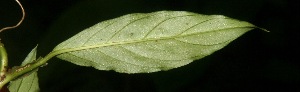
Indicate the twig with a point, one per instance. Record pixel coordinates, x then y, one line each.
19 23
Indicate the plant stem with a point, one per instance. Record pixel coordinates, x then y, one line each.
15 73
19 23
3 64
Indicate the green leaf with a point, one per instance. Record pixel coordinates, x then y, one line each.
29 82
150 42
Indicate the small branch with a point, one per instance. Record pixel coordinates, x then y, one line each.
3 62
4 79
19 23
3 65
18 71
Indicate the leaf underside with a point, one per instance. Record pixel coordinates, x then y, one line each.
29 82
150 42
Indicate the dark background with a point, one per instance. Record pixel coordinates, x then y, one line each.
257 61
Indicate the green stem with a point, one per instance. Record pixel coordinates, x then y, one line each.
14 73
3 64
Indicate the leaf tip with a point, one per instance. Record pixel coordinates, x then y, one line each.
263 29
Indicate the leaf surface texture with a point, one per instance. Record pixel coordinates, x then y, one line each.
150 42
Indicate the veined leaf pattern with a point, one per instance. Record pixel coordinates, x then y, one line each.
150 42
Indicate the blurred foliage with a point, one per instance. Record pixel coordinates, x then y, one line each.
258 61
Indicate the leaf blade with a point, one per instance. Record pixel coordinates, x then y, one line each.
138 43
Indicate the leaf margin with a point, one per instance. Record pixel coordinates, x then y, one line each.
59 52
